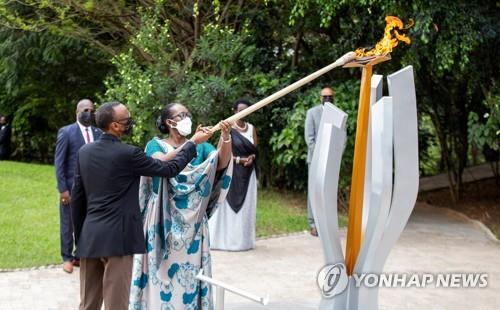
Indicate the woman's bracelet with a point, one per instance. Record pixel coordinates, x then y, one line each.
226 141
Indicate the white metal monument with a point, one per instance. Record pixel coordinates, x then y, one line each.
384 180
390 188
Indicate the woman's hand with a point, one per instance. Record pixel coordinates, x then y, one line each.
201 135
225 145
249 161
205 129
225 128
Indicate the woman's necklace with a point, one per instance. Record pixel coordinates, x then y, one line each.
173 143
243 129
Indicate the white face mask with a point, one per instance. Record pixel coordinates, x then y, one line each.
184 126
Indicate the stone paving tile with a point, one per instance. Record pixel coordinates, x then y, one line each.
435 240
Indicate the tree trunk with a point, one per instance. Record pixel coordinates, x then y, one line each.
296 49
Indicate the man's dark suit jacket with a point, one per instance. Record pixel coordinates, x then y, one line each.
69 141
105 196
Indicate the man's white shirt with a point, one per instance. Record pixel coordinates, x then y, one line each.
84 129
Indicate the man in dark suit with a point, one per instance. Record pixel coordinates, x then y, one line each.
69 140
5 135
105 205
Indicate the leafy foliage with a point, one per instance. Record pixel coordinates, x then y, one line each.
486 132
200 84
290 147
207 54
42 76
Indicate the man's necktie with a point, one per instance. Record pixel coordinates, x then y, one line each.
88 136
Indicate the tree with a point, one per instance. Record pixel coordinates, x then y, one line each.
208 53
453 53
456 66
42 77
484 132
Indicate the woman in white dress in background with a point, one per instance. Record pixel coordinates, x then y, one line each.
232 226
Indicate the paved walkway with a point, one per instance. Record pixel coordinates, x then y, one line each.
435 240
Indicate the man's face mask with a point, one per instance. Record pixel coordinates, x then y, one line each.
128 125
327 98
86 118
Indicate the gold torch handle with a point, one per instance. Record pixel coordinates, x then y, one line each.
339 62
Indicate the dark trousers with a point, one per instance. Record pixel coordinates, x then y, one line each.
310 214
66 228
105 279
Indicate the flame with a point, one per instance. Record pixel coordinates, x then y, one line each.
390 40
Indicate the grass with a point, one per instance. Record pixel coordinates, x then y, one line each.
280 212
29 215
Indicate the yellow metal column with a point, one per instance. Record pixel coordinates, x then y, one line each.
354 228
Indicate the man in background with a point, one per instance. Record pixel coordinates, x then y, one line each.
5 136
70 139
311 129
